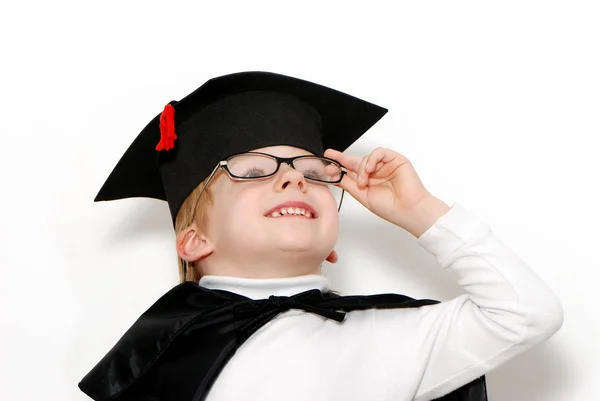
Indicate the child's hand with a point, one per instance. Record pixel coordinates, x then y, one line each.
385 182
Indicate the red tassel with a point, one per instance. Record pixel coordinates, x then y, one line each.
167 129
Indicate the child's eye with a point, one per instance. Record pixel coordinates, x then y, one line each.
315 174
253 172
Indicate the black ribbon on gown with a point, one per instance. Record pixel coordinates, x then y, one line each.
178 347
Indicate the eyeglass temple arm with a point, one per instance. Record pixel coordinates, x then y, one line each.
221 163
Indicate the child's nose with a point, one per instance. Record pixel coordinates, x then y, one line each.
290 176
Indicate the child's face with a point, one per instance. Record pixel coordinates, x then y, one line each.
241 232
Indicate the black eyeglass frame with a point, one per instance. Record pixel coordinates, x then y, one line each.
288 160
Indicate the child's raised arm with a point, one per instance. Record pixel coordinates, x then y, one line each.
507 308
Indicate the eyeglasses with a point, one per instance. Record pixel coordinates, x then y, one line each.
256 165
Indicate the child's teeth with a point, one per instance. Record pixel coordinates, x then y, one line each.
292 211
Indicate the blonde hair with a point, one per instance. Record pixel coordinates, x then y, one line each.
185 216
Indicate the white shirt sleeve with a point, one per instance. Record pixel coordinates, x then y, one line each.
507 309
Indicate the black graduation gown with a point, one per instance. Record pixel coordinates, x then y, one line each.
178 347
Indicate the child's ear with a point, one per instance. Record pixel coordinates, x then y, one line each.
333 257
192 245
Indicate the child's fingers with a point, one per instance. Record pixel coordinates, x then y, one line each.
332 171
378 158
363 176
373 162
349 184
362 166
349 161
352 174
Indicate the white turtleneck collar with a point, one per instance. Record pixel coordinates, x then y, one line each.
260 288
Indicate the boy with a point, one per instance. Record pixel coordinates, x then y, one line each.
240 162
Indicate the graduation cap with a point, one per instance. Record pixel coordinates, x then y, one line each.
232 114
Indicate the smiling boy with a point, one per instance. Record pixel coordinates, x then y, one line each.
253 230
241 164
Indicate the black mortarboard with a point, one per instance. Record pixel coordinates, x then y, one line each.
230 114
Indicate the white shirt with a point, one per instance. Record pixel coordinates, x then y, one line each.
395 354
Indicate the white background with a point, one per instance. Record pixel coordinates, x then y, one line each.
496 104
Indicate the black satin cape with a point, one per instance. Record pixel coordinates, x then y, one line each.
178 347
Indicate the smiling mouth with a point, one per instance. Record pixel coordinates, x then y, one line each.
291 212
291 215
